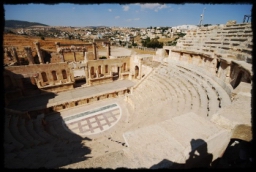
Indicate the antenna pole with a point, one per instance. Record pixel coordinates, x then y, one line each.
202 17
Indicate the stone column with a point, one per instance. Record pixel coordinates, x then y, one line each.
97 73
140 64
86 72
170 54
69 78
101 69
228 69
14 52
74 56
120 68
6 53
94 51
62 53
29 55
84 51
85 57
108 50
39 53
89 75
131 90
57 45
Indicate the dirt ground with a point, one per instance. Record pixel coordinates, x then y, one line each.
164 40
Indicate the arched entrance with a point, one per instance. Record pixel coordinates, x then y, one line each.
92 72
115 73
238 79
136 72
217 66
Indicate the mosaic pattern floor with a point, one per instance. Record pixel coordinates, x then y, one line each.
93 121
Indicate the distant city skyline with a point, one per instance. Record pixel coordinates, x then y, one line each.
128 15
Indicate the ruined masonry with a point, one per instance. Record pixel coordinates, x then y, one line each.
129 110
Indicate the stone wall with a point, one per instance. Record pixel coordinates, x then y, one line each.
53 77
206 61
56 58
107 70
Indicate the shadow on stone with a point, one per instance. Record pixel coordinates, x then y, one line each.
35 136
198 158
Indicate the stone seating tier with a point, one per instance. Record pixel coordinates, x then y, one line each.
16 133
183 99
8 137
202 109
216 84
180 85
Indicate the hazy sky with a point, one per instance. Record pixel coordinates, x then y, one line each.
129 15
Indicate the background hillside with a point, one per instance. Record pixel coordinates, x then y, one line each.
19 24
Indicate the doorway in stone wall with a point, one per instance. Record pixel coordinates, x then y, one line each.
136 72
80 81
167 53
238 79
116 74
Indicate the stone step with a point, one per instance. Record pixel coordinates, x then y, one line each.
16 134
64 133
9 139
180 96
201 92
213 103
222 94
39 129
33 133
186 94
194 101
24 132
9 147
219 86
50 129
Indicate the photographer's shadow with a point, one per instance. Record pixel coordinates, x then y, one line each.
198 158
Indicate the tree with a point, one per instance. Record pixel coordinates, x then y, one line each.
154 43
134 44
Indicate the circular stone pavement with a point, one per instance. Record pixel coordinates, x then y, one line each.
93 121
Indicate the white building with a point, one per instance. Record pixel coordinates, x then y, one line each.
184 28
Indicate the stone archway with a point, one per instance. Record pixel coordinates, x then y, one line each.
238 79
136 72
